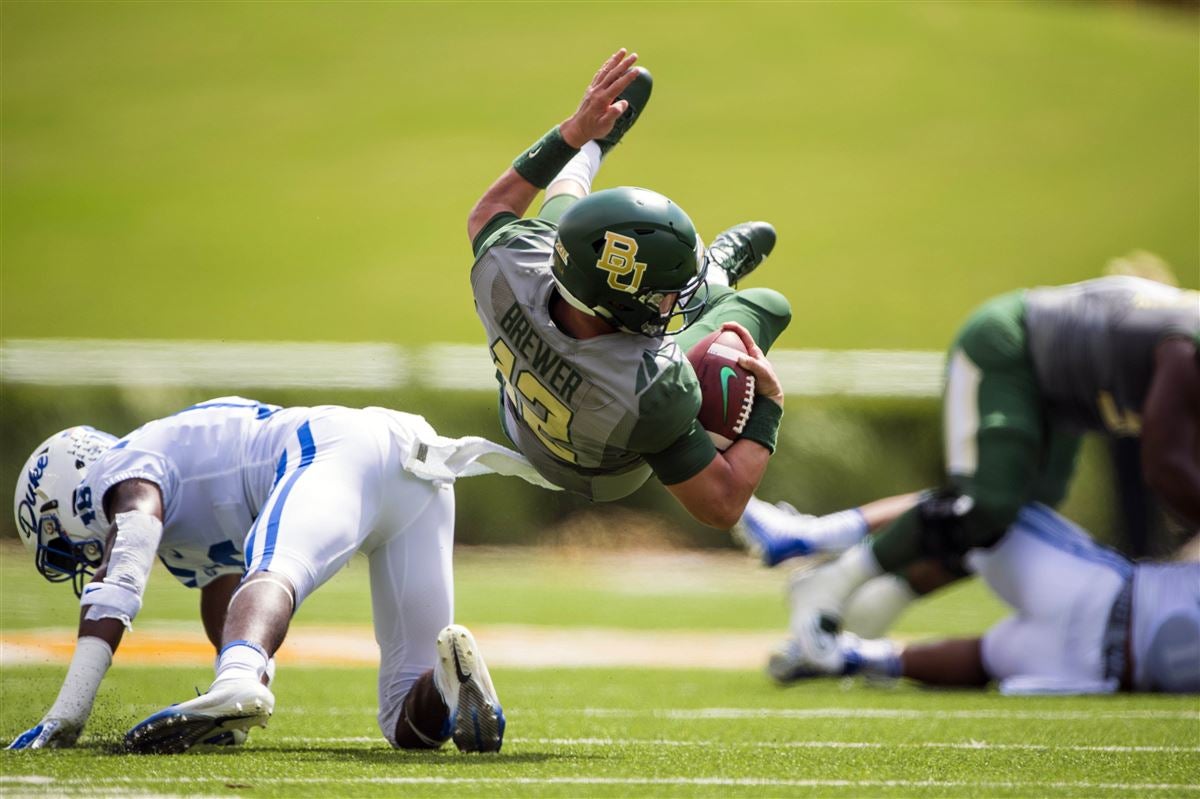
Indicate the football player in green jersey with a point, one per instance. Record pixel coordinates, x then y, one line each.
1027 375
590 306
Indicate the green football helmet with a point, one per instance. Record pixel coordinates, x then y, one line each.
631 257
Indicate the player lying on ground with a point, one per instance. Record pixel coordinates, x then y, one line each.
579 302
293 493
1027 375
1087 620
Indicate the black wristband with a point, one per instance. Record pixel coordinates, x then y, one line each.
545 159
763 425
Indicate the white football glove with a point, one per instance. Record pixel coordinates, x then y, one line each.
48 734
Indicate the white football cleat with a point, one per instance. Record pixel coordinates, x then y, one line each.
773 533
476 719
232 706
814 650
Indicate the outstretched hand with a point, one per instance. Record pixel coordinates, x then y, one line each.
48 734
599 110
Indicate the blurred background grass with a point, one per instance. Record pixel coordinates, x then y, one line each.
303 171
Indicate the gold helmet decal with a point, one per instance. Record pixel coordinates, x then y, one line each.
618 259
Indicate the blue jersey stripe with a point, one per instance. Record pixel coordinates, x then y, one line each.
308 451
262 410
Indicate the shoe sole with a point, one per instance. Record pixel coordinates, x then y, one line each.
171 732
785 671
478 720
637 94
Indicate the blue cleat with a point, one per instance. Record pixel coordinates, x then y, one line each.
476 719
773 533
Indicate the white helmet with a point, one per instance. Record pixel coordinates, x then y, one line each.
52 517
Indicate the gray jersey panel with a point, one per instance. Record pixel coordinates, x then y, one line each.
1092 345
571 405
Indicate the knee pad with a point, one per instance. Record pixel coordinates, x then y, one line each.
769 301
953 522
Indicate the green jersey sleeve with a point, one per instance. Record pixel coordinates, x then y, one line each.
503 228
667 434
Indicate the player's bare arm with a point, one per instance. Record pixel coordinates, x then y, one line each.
108 603
718 494
1171 429
597 112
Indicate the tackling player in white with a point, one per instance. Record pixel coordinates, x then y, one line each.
1087 620
293 493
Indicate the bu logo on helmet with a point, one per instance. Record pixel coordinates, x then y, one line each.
618 259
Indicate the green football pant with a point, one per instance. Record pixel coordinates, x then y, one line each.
1000 447
764 312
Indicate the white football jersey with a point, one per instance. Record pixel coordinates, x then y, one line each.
215 463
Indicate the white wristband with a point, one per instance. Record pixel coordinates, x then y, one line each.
90 663
582 167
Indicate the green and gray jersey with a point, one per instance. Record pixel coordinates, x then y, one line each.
592 415
1092 346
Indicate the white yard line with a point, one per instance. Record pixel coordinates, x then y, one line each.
887 713
751 782
625 742
718 713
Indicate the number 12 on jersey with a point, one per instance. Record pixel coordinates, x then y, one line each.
545 413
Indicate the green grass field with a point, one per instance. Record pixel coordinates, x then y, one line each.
304 171
678 729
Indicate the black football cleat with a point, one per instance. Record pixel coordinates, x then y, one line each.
637 94
739 250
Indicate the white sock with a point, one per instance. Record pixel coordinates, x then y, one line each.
716 276
582 168
836 532
241 660
857 565
873 608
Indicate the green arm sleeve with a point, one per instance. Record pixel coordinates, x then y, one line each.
684 458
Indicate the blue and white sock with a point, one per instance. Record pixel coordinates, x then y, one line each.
241 660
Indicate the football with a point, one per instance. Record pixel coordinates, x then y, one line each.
726 389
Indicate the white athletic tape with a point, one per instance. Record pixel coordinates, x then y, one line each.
119 595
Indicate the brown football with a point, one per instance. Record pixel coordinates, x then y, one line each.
726 389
